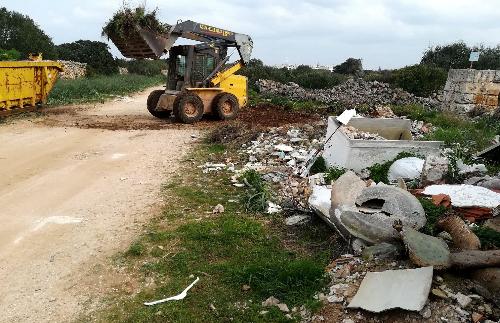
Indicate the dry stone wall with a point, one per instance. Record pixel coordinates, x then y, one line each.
72 70
467 89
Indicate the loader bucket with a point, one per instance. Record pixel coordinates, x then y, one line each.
143 43
25 84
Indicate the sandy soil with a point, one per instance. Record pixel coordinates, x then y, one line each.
76 184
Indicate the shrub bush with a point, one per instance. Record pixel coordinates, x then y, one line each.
9 55
420 79
351 66
143 66
303 75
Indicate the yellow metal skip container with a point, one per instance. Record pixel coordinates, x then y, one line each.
25 84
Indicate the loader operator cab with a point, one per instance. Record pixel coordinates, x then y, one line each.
190 65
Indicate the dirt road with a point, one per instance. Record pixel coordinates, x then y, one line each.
76 184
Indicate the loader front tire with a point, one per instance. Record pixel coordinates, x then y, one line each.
152 101
188 107
226 106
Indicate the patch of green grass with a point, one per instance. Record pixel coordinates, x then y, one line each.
319 166
99 88
452 129
333 173
490 239
257 192
225 251
136 249
379 172
216 148
432 213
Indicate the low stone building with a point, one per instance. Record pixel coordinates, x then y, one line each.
468 89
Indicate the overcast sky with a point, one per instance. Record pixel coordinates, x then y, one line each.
384 33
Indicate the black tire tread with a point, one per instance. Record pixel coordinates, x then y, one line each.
179 112
217 105
152 101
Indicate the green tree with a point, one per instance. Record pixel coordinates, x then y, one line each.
420 79
95 53
454 55
489 58
20 32
352 66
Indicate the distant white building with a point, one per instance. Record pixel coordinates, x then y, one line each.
323 67
314 67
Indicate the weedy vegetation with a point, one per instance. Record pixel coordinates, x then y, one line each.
238 247
99 88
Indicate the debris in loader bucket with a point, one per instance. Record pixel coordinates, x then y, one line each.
135 32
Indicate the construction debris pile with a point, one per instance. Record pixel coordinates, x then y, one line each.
72 70
401 255
354 133
353 93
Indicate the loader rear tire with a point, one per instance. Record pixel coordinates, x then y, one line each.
226 106
188 107
152 101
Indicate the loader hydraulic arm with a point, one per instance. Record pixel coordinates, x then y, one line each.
213 36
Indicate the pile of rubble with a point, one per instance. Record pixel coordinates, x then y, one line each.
73 70
354 133
381 221
353 93
395 261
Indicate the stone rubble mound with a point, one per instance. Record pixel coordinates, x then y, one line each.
72 70
352 93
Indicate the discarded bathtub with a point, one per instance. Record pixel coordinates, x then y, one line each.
357 154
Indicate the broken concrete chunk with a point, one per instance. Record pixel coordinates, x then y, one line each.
373 228
396 203
297 219
434 170
463 300
346 189
271 301
407 289
382 250
425 250
390 204
408 168
464 169
320 200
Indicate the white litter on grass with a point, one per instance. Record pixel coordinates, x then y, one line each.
176 297
273 208
320 199
466 195
408 168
